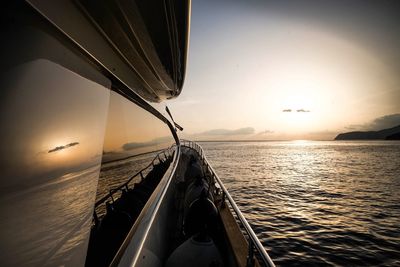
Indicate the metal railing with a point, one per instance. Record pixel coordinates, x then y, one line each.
167 153
253 241
139 233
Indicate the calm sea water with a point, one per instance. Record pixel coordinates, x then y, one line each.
317 203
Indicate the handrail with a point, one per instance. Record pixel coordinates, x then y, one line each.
166 152
135 244
253 239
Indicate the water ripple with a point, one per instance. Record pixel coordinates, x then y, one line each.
317 203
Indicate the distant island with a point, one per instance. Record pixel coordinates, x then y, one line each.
385 134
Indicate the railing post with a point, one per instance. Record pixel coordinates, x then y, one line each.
141 176
250 255
96 218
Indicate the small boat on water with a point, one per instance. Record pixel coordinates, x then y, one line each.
82 82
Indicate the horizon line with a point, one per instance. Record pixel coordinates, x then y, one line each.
262 140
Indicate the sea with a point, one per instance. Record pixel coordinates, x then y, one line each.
311 203
317 203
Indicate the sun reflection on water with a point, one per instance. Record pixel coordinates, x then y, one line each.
314 203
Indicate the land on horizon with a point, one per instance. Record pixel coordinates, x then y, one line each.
392 133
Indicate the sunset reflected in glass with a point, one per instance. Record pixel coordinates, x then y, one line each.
51 155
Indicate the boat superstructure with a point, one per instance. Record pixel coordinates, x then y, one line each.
93 170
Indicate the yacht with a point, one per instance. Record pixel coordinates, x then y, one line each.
93 172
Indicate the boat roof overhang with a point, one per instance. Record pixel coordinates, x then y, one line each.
143 44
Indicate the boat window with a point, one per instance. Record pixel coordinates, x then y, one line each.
133 139
53 123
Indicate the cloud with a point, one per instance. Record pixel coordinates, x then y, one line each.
297 110
58 148
156 141
265 132
302 110
225 132
384 122
353 127
133 145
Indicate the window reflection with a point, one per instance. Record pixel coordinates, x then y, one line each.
132 131
53 123
132 139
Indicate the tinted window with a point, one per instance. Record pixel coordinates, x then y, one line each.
133 138
53 123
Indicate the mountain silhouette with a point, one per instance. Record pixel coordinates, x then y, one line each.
385 134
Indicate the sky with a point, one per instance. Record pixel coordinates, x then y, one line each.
273 70
49 131
257 70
